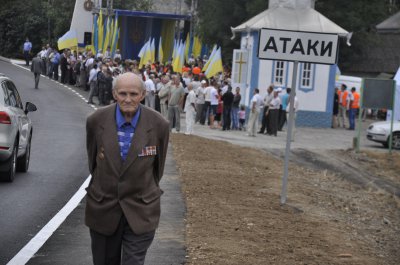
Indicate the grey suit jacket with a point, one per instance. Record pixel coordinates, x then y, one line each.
129 187
36 66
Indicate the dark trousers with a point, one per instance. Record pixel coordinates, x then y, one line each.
199 113
106 250
37 78
26 56
63 75
282 119
55 71
206 111
274 121
264 121
157 103
352 118
227 118
44 67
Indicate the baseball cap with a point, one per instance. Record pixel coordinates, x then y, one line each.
203 82
278 89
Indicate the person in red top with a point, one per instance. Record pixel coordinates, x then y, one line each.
343 105
354 106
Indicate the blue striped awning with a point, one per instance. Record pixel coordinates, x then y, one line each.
151 15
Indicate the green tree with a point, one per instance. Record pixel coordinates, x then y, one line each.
143 5
359 17
215 19
20 19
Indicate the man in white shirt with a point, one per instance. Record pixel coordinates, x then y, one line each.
207 101
190 109
150 91
295 109
92 83
200 103
163 95
273 112
256 105
224 89
265 118
117 55
214 104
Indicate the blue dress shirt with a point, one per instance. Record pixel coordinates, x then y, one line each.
125 130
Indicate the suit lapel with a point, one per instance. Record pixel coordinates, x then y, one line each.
140 138
110 139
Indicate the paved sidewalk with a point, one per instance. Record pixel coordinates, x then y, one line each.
305 138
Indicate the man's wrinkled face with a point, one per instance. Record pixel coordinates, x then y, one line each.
128 93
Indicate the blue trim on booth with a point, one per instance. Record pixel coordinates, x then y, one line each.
331 89
255 64
316 119
151 15
306 89
286 73
273 72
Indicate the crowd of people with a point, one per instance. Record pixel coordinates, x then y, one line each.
346 106
206 101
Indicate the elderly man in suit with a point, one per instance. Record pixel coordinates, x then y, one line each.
126 145
36 69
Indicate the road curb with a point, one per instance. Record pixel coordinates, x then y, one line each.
5 59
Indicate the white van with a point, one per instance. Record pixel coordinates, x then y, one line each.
349 81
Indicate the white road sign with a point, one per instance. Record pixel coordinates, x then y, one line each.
286 45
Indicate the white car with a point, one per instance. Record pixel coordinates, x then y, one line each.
380 132
15 131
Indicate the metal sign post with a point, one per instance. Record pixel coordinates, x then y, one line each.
296 46
392 118
289 134
361 104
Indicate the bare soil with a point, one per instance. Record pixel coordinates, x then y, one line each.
234 214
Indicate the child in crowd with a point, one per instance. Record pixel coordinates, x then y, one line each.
242 117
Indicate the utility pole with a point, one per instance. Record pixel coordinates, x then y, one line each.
48 21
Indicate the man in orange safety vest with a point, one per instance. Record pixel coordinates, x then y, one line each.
354 105
343 105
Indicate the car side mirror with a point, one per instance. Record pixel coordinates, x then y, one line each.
29 107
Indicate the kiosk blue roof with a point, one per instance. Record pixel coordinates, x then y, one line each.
151 15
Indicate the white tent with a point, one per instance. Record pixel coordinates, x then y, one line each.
291 15
397 99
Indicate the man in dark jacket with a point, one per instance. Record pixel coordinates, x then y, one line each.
227 98
64 65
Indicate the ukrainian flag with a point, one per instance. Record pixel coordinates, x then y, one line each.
160 51
205 67
215 65
67 41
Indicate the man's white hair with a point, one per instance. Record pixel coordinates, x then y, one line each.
115 84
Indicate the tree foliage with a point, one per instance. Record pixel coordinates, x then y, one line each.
20 19
216 17
36 19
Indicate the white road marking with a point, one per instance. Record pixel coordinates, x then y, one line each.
69 88
27 252
30 249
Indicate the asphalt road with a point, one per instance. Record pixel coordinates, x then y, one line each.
58 161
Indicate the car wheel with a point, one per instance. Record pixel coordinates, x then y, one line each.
396 140
11 163
23 161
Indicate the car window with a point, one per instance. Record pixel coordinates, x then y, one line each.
14 90
4 92
11 95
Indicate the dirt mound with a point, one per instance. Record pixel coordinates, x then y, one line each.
234 215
